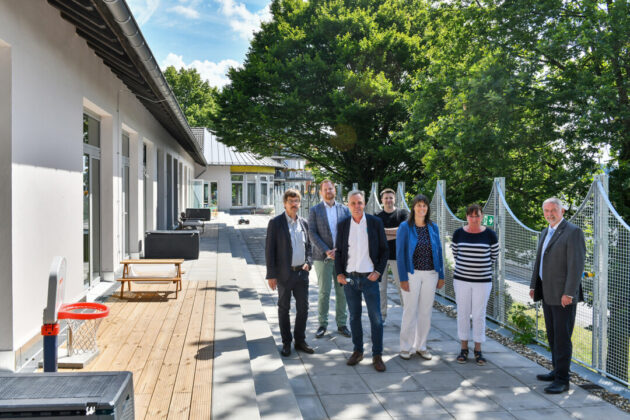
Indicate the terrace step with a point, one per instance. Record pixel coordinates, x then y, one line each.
233 386
274 393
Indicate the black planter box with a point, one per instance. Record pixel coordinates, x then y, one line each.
172 244
201 214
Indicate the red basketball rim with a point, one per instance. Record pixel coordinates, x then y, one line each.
65 311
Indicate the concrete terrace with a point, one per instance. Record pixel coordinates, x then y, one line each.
192 359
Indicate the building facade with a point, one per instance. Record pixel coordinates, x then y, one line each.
94 151
234 181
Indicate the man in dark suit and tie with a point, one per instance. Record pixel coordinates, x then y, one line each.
556 280
322 220
289 259
360 260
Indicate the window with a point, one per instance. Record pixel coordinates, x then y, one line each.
251 192
237 190
91 131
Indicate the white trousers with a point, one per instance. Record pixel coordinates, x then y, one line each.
472 299
417 309
383 286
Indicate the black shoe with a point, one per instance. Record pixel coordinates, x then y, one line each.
546 377
557 388
286 350
320 332
344 331
304 347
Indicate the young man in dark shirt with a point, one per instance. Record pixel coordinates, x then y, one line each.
392 218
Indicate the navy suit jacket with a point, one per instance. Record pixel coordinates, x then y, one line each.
379 252
278 249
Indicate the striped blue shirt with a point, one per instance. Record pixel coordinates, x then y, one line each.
474 254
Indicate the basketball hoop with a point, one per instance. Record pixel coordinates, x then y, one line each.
83 319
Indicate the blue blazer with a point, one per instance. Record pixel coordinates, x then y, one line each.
377 243
406 241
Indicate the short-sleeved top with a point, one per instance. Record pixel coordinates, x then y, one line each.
423 254
393 220
474 254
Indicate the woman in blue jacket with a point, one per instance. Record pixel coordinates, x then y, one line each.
421 270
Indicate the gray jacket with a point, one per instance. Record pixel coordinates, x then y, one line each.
319 230
563 265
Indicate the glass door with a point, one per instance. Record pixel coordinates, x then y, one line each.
91 221
91 201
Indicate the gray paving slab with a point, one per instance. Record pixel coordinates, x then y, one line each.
390 382
501 415
544 413
311 407
465 399
237 400
350 383
517 398
489 378
433 380
354 406
608 412
411 405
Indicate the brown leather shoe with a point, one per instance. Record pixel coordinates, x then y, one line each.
377 361
355 358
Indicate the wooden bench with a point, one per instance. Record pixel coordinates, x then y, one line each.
126 277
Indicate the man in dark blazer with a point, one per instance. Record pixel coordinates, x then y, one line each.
360 260
557 280
289 259
323 219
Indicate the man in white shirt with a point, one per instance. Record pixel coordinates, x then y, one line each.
360 260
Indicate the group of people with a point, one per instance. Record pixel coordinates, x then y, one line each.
353 252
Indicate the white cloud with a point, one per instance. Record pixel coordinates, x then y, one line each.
188 12
241 20
143 9
214 73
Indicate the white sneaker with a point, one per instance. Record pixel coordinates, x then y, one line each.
425 354
405 355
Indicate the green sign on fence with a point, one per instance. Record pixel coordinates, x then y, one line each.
488 220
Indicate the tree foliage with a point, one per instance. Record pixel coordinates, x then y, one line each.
195 96
325 80
420 90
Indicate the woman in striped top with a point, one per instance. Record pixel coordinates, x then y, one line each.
475 249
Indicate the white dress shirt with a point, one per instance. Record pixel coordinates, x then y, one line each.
358 247
331 214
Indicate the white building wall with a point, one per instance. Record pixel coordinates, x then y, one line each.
220 175
54 78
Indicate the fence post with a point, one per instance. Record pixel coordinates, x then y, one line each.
372 206
499 225
339 197
600 281
441 222
355 185
401 200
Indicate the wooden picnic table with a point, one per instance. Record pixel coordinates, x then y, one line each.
126 277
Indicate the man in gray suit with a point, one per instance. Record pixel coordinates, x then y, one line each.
322 228
557 280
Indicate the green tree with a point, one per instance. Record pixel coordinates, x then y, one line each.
195 96
325 80
481 111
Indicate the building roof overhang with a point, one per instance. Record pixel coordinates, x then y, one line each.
111 31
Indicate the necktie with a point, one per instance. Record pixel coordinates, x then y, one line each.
550 232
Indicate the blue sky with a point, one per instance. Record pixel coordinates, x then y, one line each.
208 35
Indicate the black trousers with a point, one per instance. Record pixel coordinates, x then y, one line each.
296 284
559 323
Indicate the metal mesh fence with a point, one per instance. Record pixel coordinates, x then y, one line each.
601 336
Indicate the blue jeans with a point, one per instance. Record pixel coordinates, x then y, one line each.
361 286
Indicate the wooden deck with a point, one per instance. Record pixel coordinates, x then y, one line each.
167 344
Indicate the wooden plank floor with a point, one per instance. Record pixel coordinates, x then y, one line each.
166 343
